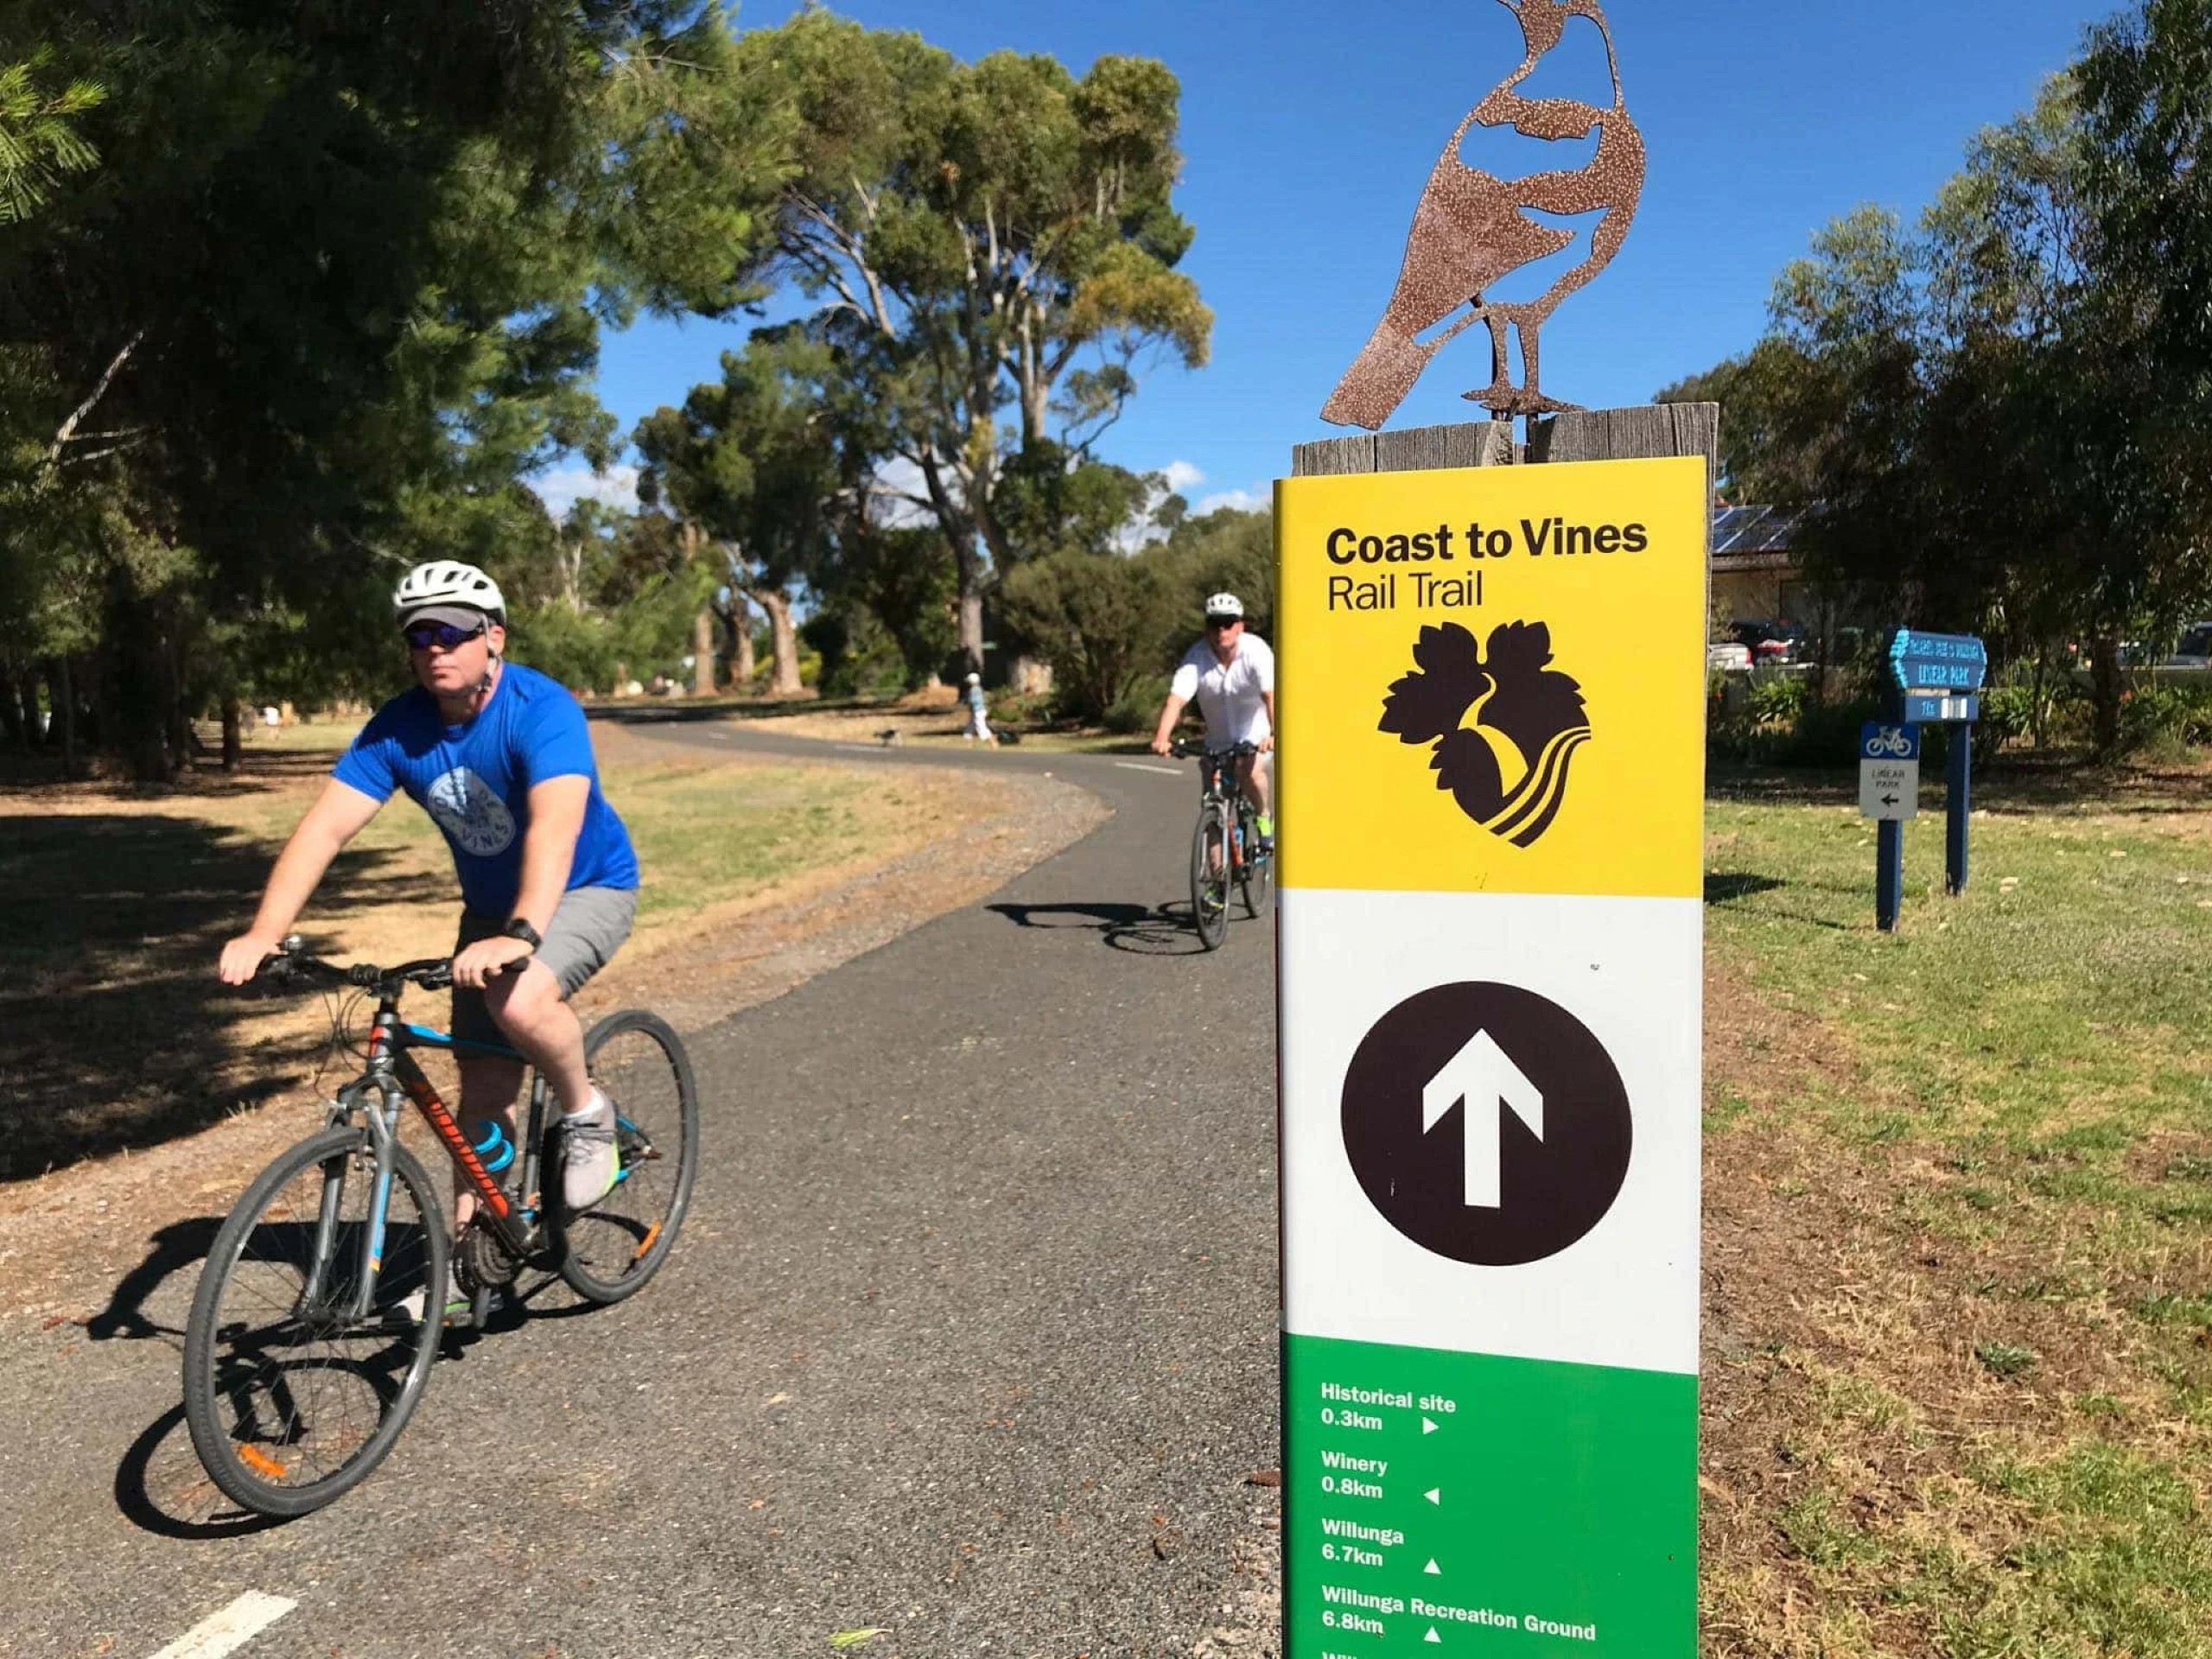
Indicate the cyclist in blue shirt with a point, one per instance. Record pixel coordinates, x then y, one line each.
500 756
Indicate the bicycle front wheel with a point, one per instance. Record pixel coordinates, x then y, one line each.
610 1251
1210 874
1256 873
297 1379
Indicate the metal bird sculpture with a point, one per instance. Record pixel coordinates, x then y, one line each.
1471 230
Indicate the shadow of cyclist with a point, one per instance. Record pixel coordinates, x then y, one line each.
180 1245
1153 930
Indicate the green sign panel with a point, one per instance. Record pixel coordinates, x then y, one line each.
1458 1500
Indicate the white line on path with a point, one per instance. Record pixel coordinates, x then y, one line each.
1138 765
229 1630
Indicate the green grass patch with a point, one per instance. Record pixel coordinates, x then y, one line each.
2028 1067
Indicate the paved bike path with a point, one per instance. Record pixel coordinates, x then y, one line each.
970 1336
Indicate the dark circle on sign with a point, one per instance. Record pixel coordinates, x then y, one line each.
1552 1189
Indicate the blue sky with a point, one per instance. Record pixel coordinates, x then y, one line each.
1309 130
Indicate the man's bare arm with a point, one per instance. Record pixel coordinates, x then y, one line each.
338 815
1163 738
549 846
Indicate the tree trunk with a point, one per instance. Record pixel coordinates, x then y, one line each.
968 563
702 653
783 682
233 735
15 726
2105 688
742 668
62 689
34 736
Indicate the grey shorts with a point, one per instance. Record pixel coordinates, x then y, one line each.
588 926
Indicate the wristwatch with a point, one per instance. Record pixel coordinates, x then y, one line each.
519 929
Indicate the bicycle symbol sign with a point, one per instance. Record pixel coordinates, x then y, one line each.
1882 742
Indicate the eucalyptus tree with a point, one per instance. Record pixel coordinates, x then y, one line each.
752 462
992 247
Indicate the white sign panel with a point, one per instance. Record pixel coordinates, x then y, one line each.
1888 788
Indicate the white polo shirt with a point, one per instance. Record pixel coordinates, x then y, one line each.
1230 697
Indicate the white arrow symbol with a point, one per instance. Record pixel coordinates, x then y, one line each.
1434 1495
1482 1076
1432 1636
1433 1567
1427 1426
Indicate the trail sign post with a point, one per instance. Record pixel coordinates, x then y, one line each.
1937 677
1492 686
1889 790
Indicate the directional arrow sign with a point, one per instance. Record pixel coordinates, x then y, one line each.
1432 1636
1433 1567
1888 788
1434 1495
1428 1426
1482 1077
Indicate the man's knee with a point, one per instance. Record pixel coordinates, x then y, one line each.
523 1002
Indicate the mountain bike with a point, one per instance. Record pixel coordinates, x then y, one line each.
324 1299
1225 846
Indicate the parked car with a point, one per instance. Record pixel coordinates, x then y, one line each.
1770 643
1726 655
2194 650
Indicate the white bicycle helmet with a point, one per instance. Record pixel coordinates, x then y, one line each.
445 585
1225 605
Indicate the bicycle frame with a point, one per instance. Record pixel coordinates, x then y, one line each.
1219 781
392 1077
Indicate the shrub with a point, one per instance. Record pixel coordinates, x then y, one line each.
1137 709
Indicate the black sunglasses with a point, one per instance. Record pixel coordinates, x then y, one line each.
443 635
1223 621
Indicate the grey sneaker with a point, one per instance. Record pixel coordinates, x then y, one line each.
411 1304
589 1164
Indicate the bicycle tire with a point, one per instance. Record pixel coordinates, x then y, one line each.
1210 874
610 1251
319 1386
1255 875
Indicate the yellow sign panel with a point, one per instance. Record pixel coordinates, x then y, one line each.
1493 680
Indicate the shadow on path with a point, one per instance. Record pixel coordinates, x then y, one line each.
161 1488
1146 931
180 1245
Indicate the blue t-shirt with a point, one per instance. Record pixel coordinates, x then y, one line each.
475 779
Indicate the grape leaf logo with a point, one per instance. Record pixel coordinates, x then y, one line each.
1503 724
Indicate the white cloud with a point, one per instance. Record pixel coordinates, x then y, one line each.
1242 500
563 486
1182 475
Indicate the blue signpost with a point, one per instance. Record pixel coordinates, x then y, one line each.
1936 676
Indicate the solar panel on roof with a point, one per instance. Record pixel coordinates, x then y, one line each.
1752 529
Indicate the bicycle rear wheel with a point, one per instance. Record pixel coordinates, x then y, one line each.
1256 873
1210 874
610 1251
291 1396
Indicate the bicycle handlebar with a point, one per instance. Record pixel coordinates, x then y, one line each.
292 960
1183 749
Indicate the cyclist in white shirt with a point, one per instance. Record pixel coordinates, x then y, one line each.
1232 675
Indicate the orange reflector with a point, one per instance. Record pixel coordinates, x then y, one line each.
644 1244
260 1462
